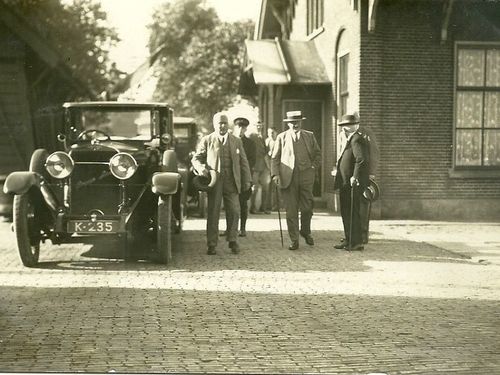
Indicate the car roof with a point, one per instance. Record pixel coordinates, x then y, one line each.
109 104
183 120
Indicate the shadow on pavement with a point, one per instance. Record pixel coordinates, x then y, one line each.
260 251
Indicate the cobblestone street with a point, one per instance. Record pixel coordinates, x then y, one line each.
422 298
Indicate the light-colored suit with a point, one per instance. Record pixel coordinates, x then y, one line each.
296 184
227 187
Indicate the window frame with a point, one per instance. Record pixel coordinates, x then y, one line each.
482 170
315 11
342 109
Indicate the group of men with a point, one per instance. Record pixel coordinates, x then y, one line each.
290 161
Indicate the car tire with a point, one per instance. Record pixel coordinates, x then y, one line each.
27 229
127 246
164 229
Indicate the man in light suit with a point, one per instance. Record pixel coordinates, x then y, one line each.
352 176
296 157
224 153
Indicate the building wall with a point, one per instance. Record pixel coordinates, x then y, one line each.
339 18
407 91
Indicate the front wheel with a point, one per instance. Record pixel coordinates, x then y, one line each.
164 228
27 229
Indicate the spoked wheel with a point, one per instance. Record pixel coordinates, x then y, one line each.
164 229
27 229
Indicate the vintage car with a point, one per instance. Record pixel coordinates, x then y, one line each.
186 139
114 174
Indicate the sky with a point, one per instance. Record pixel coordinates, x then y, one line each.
130 18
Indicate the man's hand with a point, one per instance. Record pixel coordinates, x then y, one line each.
354 181
247 186
276 180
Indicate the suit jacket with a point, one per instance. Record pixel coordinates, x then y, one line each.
207 156
353 161
249 146
283 157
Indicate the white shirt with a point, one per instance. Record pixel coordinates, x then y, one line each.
223 138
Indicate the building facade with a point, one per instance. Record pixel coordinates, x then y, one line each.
423 75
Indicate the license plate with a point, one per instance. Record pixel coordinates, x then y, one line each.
99 226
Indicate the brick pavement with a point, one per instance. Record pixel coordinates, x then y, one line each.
399 307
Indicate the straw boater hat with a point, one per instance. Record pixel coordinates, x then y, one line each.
204 183
293 116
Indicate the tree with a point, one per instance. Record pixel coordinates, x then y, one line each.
200 58
79 32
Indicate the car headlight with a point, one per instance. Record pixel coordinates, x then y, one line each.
123 165
59 164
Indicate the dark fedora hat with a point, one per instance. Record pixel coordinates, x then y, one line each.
241 121
349 119
372 191
293 116
205 183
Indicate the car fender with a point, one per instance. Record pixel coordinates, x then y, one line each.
20 182
165 182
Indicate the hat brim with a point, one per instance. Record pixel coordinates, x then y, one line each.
348 123
372 191
295 119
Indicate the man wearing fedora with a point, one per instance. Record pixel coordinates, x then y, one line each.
352 177
223 153
296 157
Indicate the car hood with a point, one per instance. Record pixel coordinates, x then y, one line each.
104 151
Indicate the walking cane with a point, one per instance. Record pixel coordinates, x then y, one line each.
349 245
279 214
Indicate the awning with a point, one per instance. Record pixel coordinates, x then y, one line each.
283 62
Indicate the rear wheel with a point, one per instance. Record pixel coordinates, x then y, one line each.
27 229
164 229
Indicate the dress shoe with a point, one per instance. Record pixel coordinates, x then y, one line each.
308 238
341 245
211 250
357 247
294 245
243 233
235 248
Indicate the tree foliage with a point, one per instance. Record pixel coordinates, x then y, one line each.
200 58
79 32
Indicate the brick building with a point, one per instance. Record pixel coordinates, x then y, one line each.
424 75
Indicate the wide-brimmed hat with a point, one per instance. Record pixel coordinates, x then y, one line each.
241 121
372 191
349 120
205 183
293 116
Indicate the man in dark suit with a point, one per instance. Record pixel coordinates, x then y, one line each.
296 157
223 153
351 179
249 146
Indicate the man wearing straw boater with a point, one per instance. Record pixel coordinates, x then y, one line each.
296 157
352 177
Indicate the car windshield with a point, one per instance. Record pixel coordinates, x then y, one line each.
117 124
